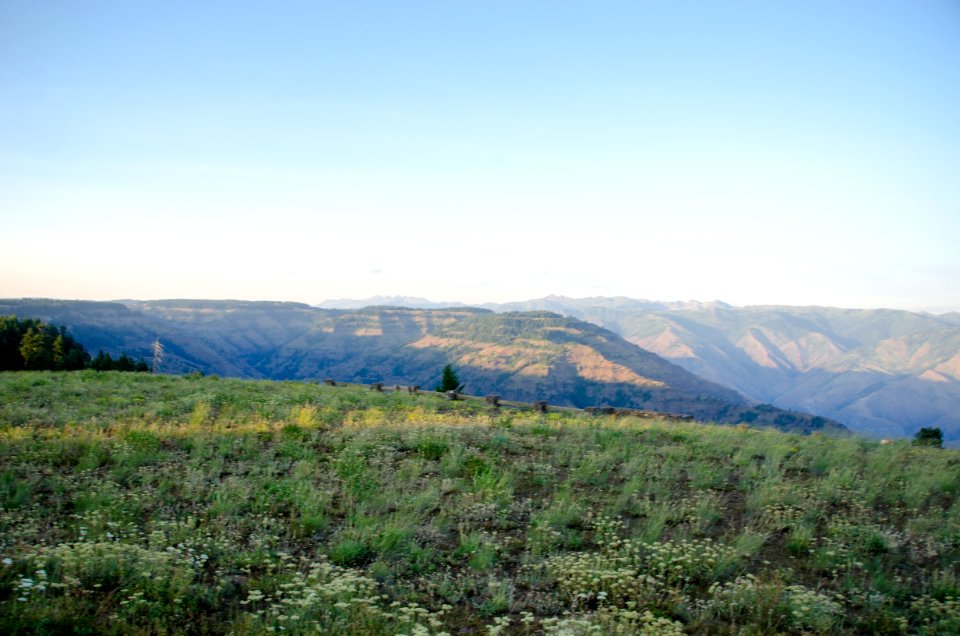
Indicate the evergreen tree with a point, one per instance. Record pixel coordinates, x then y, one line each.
35 356
73 356
125 363
58 344
11 332
75 359
103 362
31 344
449 381
929 437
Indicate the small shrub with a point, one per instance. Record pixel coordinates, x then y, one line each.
350 552
432 448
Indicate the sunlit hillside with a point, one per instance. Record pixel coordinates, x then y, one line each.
134 503
880 372
524 356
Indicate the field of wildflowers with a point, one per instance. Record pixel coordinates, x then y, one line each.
141 504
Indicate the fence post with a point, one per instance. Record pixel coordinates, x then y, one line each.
600 410
540 406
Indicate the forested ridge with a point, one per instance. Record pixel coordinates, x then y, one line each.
31 345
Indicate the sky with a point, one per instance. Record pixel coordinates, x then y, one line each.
792 152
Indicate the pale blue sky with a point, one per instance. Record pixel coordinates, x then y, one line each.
754 152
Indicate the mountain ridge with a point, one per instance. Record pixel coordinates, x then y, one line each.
523 356
882 372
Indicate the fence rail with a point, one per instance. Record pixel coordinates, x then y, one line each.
496 402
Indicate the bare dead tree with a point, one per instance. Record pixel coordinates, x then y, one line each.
157 356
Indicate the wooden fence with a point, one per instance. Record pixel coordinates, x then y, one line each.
496 402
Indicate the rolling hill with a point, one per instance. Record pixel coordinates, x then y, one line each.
519 355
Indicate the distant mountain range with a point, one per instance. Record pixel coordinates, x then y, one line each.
881 372
523 356
387 301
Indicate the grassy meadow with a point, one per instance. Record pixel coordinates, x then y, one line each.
141 504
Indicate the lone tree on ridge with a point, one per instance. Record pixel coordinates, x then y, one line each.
449 381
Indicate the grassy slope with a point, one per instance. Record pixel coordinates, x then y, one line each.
134 503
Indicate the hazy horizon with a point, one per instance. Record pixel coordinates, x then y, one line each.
790 153
454 302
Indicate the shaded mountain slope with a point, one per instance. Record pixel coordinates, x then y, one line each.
115 328
881 372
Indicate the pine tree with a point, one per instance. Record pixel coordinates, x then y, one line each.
58 351
31 344
103 362
449 381
929 437
74 357
125 363
31 348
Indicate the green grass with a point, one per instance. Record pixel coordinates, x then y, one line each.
132 503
